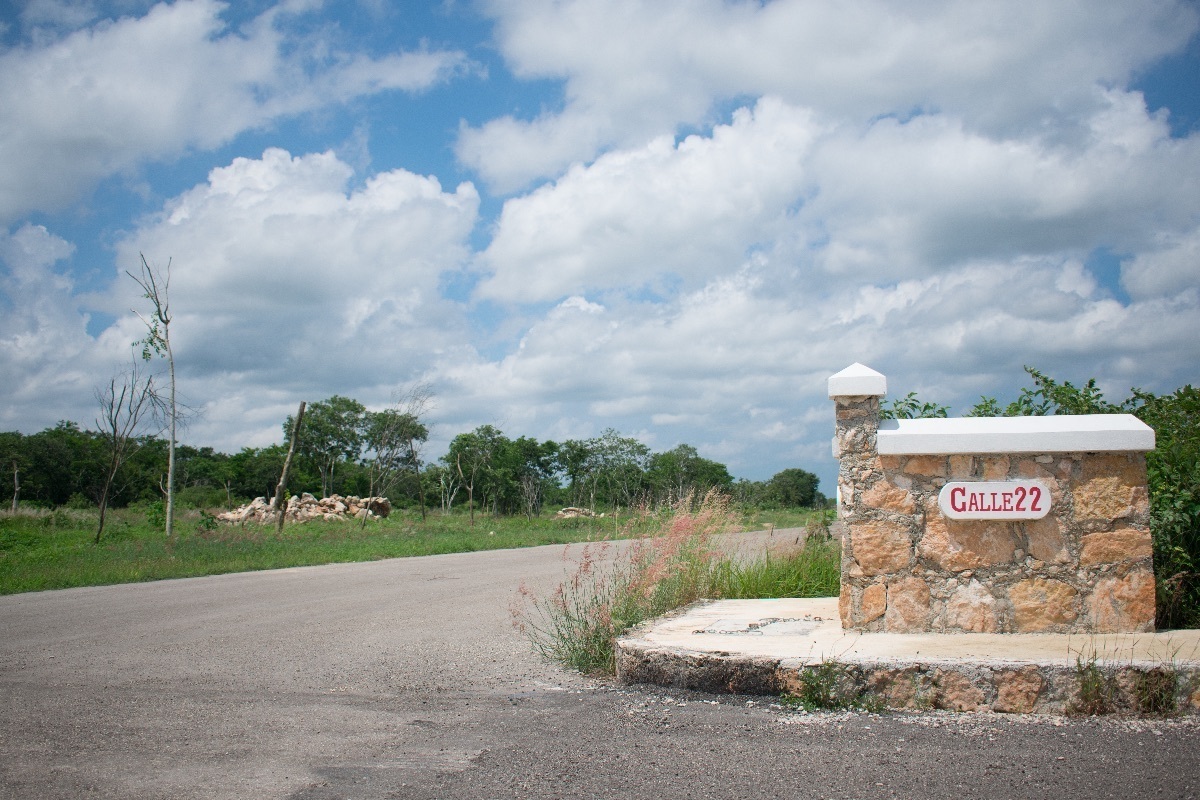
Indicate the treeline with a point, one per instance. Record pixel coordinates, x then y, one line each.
344 448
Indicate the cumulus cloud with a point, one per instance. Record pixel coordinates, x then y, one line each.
285 282
1169 266
109 97
632 69
903 198
48 361
641 216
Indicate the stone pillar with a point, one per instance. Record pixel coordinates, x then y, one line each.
856 392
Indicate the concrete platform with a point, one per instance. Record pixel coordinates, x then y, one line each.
776 646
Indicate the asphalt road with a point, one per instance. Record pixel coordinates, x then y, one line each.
405 679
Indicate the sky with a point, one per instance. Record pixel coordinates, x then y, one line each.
675 219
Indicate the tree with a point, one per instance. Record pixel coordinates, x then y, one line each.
156 287
795 488
617 468
332 436
393 439
909 407
125 403
12 455
677 473
470 456
279 503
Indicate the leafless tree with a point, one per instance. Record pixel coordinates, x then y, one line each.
156 288
280 504
127 402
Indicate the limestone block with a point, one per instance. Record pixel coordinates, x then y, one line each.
996 468
874 602
956 691
1017 690
898 688
1046 540
1111 487
1043 604
880 547
957 545
1123 604
907 606
887 497
962 467
846 605
1111 547
928 466
972 608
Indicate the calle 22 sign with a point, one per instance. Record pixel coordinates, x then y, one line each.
994 500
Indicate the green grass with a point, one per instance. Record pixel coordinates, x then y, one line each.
609 592
54 550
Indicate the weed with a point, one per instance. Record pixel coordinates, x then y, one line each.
208 522
1095 692
1154 690
830 686
611 589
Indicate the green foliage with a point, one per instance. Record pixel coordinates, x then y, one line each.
332 434
156 514
1154 690
909 407
830 686
1173 472
1095 692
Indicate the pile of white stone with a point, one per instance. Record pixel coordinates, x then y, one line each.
303 507
572 512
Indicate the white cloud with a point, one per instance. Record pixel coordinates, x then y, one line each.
633 69
286 284
901 199
653 214
110 97
1170 266
49 363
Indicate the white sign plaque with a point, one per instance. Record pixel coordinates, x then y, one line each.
994 500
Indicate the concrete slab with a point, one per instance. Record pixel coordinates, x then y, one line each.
764 646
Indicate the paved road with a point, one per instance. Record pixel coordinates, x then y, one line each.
404 679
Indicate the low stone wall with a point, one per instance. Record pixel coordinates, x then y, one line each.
305 507
906 567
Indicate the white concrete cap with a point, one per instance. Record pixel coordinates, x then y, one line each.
857 380
1084 433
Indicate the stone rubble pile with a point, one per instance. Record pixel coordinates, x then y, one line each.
303 507
572 513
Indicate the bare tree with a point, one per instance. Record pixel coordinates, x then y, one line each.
156 288
280 506
125 403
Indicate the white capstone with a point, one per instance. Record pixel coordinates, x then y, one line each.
1084 433
857 380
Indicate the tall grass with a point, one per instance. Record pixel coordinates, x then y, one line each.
612 588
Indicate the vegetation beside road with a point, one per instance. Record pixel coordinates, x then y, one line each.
55 549
607 593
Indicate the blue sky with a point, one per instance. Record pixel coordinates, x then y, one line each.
673 219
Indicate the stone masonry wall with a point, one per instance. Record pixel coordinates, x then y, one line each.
1085 567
